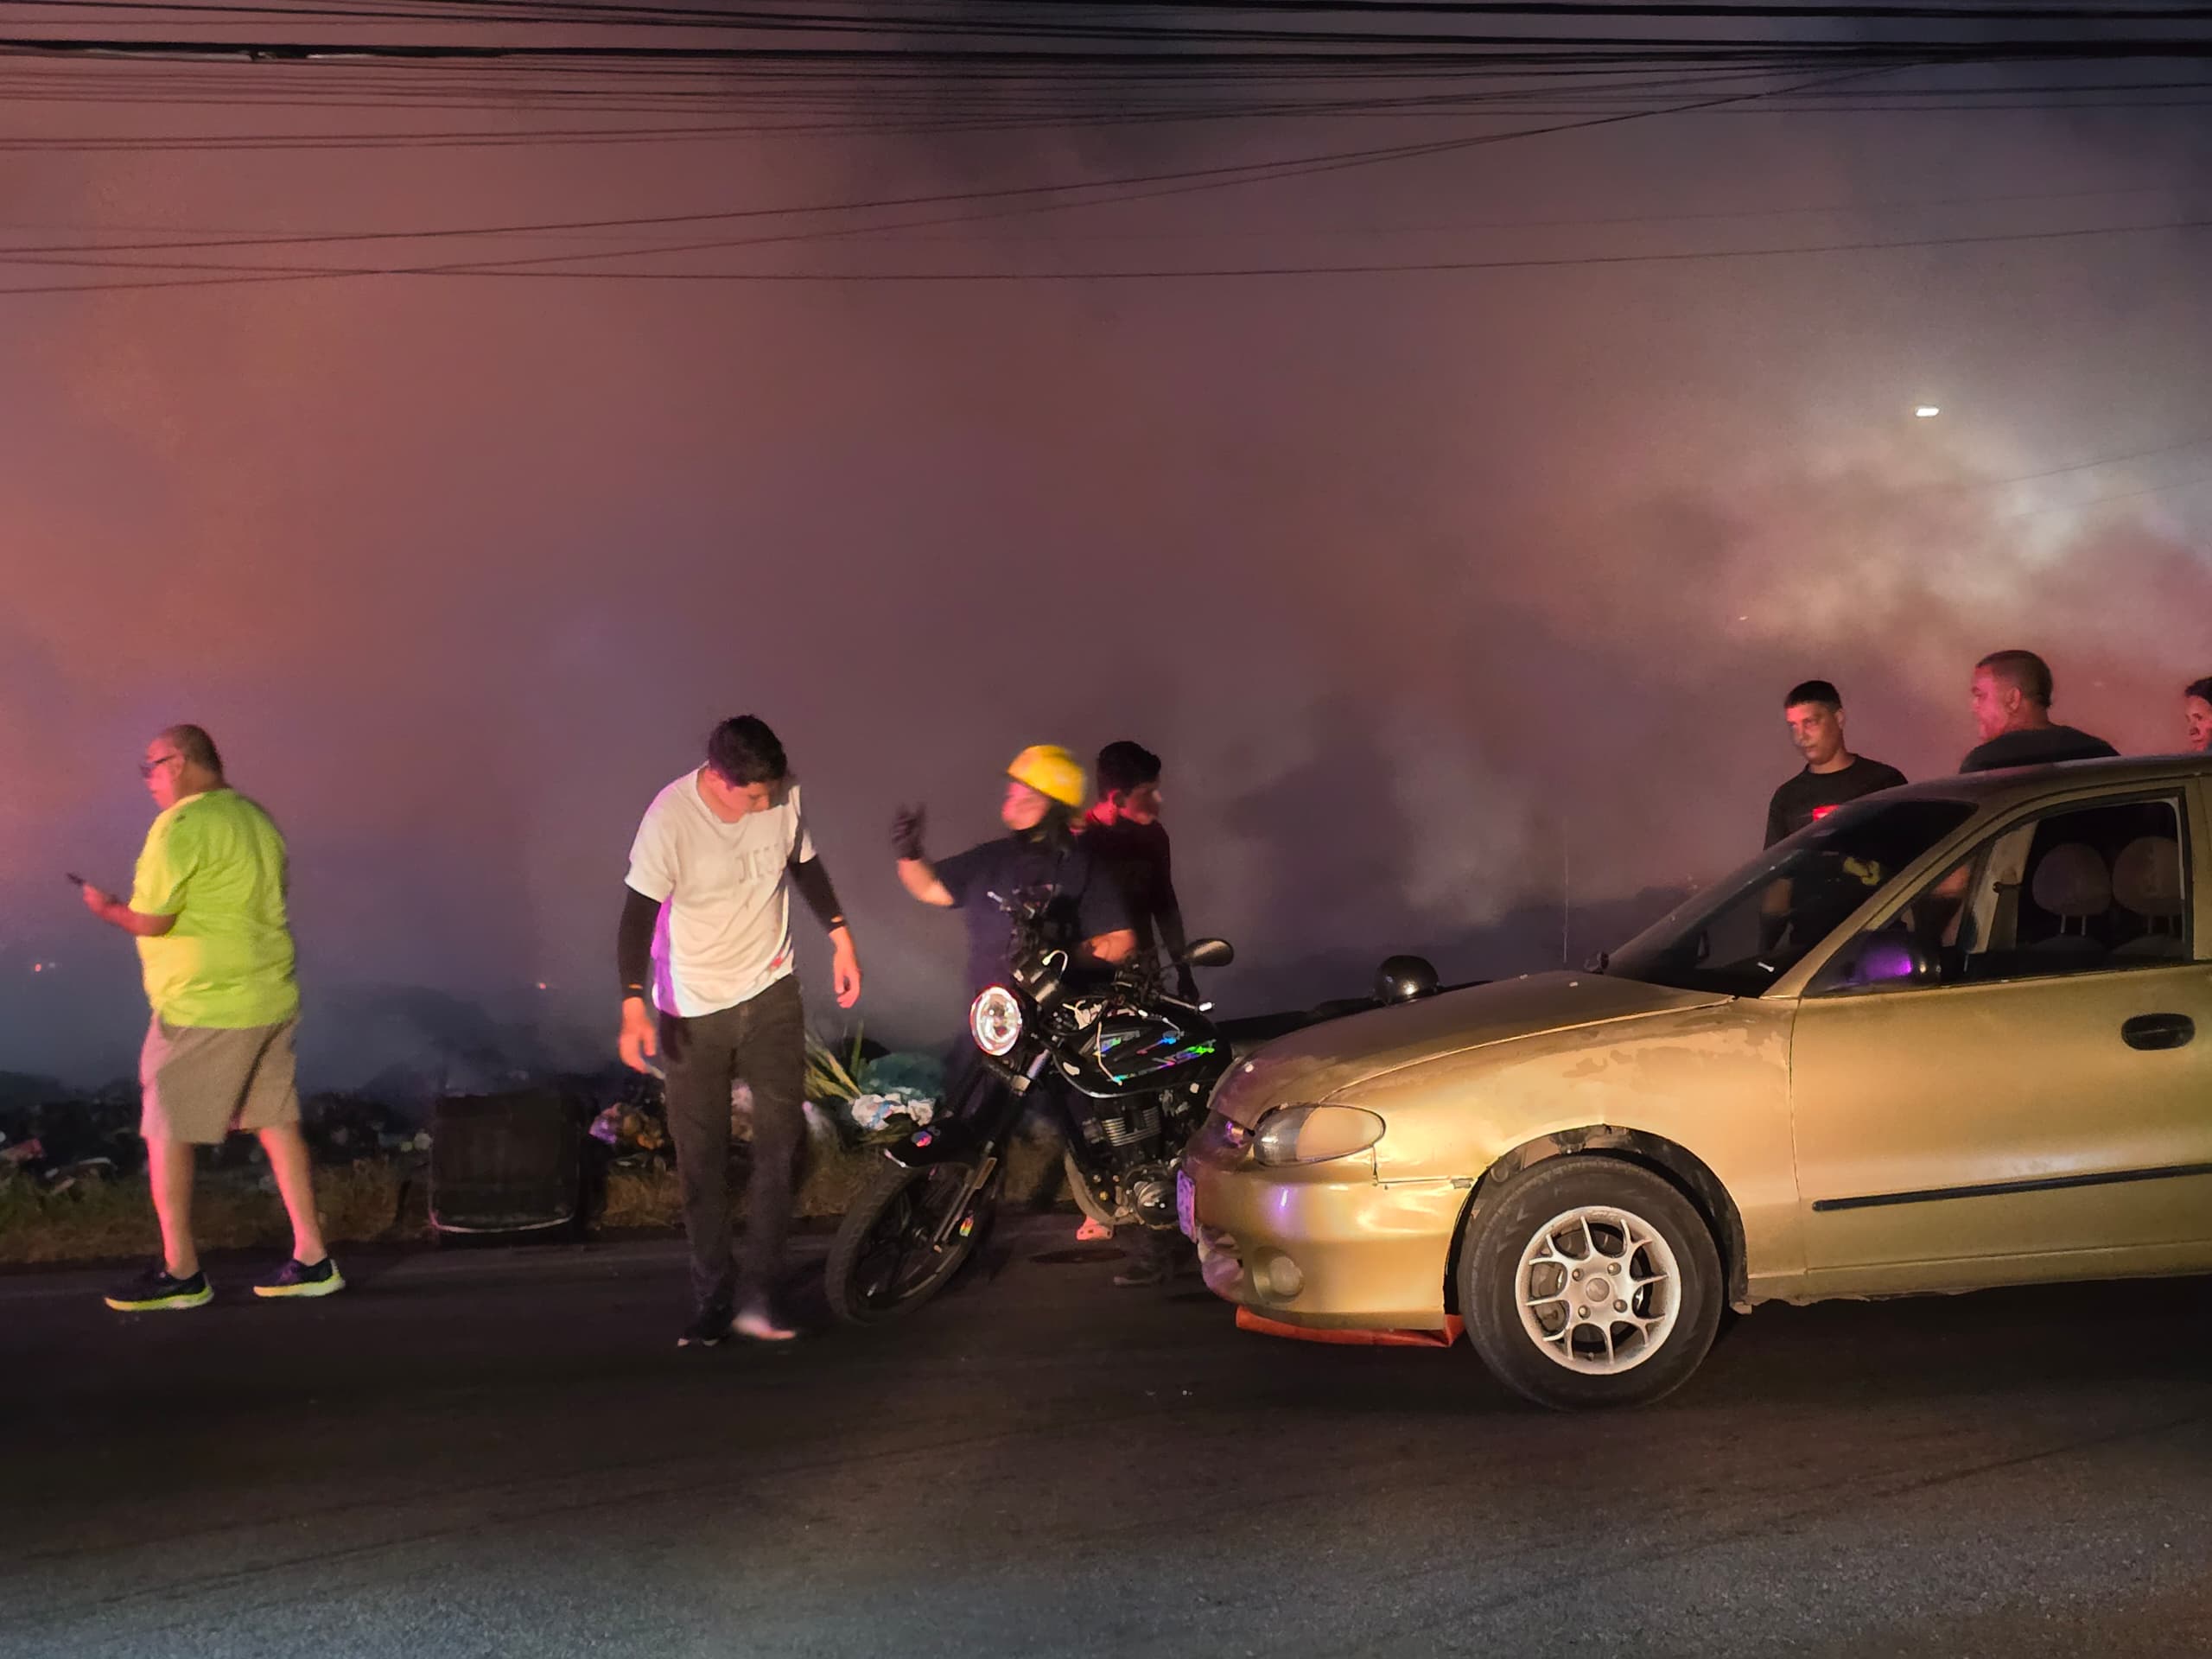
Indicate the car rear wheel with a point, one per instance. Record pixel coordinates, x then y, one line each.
1587 1282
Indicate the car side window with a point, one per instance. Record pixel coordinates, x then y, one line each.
2087 889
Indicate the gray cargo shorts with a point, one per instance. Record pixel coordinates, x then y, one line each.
197 1084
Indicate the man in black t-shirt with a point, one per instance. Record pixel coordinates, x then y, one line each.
1833 774
1126 839
2012 712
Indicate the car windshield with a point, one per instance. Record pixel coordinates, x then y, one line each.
1742 935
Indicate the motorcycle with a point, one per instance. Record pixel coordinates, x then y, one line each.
1138 1066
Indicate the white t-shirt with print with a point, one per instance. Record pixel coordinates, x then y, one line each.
725 931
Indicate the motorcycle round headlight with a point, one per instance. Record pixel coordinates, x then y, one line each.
994 1021
1311 1134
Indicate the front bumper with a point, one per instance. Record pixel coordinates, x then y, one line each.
1324 1245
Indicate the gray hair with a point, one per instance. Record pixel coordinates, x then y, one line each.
196 746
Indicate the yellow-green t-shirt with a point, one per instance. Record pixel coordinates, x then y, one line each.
216 863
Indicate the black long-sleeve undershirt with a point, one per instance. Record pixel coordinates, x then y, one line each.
634 938
633 941
812 881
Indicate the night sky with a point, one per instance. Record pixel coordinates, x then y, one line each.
1446 595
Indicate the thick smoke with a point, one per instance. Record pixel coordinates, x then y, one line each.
1461 606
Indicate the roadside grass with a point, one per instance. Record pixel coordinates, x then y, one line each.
386 1200
95 1220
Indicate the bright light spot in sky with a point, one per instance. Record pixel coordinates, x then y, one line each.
1927 411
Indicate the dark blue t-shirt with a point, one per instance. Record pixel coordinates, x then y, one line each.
1085 901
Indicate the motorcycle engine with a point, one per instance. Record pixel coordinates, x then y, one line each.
1149 1191
1125 1130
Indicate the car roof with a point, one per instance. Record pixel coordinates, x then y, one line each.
2016 784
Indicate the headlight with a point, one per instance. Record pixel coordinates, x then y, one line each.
1308 1134
994 1021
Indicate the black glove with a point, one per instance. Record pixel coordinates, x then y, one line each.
906 831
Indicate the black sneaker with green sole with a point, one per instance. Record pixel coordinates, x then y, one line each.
296 1278
158 1291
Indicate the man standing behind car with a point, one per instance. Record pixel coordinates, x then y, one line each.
1832 774
2011 710
706 934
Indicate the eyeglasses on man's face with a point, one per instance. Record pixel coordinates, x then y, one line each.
148 768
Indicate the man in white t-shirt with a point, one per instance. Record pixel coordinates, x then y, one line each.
706 934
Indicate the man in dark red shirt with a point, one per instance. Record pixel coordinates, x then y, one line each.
1124 836
1126 840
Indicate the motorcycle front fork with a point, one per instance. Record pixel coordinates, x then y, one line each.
1017 1090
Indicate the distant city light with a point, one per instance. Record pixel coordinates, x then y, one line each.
1928 411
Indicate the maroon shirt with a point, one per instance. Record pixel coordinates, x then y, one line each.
1135 856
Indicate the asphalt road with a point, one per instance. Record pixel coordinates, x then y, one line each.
500 1452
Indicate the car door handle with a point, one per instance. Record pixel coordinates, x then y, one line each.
2158 1031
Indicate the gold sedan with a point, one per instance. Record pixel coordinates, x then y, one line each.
1939 1040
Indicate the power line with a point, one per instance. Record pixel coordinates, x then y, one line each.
1177 182
217 275
1679 8
961 21
1167 51
2100 501
1844 210
1849 102
1377 269
2105 460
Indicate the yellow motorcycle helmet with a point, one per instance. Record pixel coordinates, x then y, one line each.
1051 771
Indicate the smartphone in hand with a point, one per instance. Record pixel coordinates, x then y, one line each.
77 880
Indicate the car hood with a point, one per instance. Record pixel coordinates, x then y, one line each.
1321 1060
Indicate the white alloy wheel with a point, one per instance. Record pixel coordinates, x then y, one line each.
1555 1337
1599 1289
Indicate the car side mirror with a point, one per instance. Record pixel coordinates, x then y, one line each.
1405 979
1208 953
1886 960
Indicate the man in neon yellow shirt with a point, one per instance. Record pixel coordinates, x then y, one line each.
207 910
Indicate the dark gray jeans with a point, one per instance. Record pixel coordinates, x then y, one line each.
762 1040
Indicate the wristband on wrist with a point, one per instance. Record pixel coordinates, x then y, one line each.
629 991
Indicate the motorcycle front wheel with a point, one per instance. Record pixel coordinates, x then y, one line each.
886 1260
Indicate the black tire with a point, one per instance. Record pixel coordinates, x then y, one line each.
1509 1225
880 1266
1085 1199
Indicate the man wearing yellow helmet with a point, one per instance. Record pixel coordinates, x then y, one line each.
1044 793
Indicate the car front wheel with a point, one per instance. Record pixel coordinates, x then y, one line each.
1587 1282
